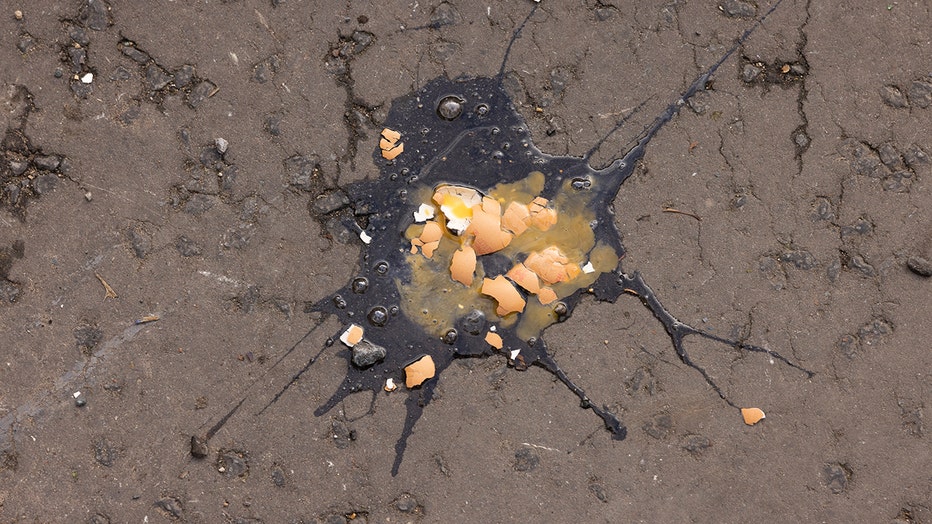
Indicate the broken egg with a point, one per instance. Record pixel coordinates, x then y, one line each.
752 415
504 292
457 203
463 265
390 145
419 371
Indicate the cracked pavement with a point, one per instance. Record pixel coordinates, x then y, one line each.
197 172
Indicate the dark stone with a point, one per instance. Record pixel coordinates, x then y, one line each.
606 12
889 156
98 518
202 91
266 69
170 505
362 39
156 77
47 162
919 266
641 381
857 262
140 242
750 73
80 89
366 353
893 97
823 210
920 93
199 448
44 183
18 168
120 73
187 247
836 477
598 490
863 159
232 464
77 56
330 201
916 158
738 9
526 460
135 54
78 35
800 259
278 476
860 227
95 14
183 76
131 114
228 177
406 503
104 452
874 332
273 124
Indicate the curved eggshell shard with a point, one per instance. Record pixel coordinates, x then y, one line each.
494 340
463 265
428 248
504 292
752 415
419 371
486 228
432 232
515 218
549 264
546 295
524 277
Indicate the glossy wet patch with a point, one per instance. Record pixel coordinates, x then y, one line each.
475 242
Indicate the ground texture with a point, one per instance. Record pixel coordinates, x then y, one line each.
188 156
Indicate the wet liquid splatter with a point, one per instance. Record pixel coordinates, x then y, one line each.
476 242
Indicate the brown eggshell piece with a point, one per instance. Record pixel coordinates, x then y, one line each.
352 335
428 248
486 228
494 340
432 232
504 292
391 135
544 220
752 415
390 154
549 264
546 295
524 277
463 265
419 371
515 217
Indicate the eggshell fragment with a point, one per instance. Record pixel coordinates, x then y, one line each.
390 145
494 340
524 277
390 385
752 415
456 204
504 292
546 295
419 371
549 264
432 232
429 247
463 265
352 335
424 213
515 218
541 217
486 228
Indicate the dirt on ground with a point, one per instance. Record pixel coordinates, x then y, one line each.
171 203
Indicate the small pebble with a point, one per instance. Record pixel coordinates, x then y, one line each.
18 14
919 266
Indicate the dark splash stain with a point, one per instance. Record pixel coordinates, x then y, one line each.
466 133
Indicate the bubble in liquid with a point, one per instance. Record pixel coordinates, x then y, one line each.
450 107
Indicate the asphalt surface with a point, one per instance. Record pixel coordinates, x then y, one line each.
188 157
